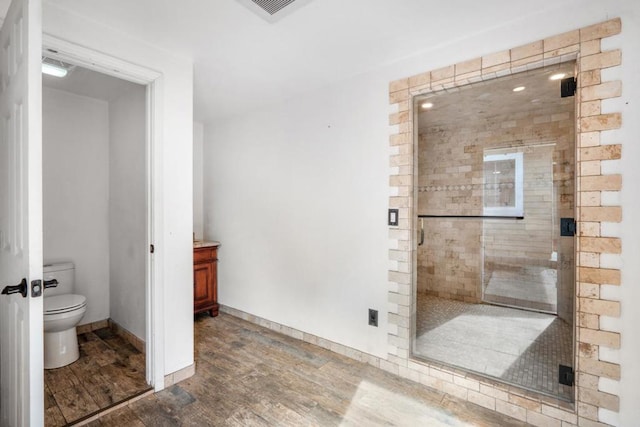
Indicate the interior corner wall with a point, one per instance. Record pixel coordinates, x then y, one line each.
172 163
128 210
198 167
75 175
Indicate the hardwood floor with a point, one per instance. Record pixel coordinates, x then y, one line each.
247 375
109 371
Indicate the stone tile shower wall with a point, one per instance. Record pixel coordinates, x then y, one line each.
451 182
596 364
449 174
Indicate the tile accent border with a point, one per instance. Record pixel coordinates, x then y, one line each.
179 375
303 336
138 343
598 243
88 327
416 373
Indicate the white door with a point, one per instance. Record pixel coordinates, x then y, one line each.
21 368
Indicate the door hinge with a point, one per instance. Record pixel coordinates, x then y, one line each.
566 375
152 248
567 227
568 87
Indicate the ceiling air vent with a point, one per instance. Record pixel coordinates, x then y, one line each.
272 6
273 10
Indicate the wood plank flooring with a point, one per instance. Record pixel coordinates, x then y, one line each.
109 371
247 375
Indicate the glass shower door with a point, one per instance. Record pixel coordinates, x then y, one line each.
494 289
526 262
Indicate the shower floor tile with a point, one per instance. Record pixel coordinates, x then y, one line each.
519 347
109 371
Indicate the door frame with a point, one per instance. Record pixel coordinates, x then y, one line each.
154 283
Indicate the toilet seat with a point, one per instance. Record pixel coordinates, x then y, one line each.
59 304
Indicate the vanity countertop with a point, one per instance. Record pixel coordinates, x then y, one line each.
204 244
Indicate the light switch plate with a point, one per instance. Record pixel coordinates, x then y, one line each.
393 217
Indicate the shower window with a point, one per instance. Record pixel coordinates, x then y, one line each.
503 178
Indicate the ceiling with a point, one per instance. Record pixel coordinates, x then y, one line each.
496 97
89 83
241 59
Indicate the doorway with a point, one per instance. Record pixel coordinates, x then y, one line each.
495 182
95 211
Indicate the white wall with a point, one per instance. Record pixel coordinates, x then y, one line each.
297 193
75 192
173 174
297 196
629 230
198 165
128 210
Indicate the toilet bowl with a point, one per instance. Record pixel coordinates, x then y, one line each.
62 313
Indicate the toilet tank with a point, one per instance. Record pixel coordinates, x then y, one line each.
64 273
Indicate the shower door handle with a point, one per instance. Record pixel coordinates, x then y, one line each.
421 241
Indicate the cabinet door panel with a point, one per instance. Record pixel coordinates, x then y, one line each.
202 289
204 255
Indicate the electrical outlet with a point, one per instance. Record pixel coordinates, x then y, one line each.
373 317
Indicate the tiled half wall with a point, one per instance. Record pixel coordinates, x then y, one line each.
593 406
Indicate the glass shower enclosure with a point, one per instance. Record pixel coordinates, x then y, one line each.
495 285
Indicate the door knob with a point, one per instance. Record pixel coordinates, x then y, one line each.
17 289
50 283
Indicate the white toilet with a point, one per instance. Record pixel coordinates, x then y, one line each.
63 310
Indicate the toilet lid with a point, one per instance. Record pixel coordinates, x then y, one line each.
63 303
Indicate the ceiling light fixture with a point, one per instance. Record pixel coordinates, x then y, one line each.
519 89
427 105
53 70
56 68
557 76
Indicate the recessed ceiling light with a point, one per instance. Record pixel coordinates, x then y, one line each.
557 76
427 105
518 89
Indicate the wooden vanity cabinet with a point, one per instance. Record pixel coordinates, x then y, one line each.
205 280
